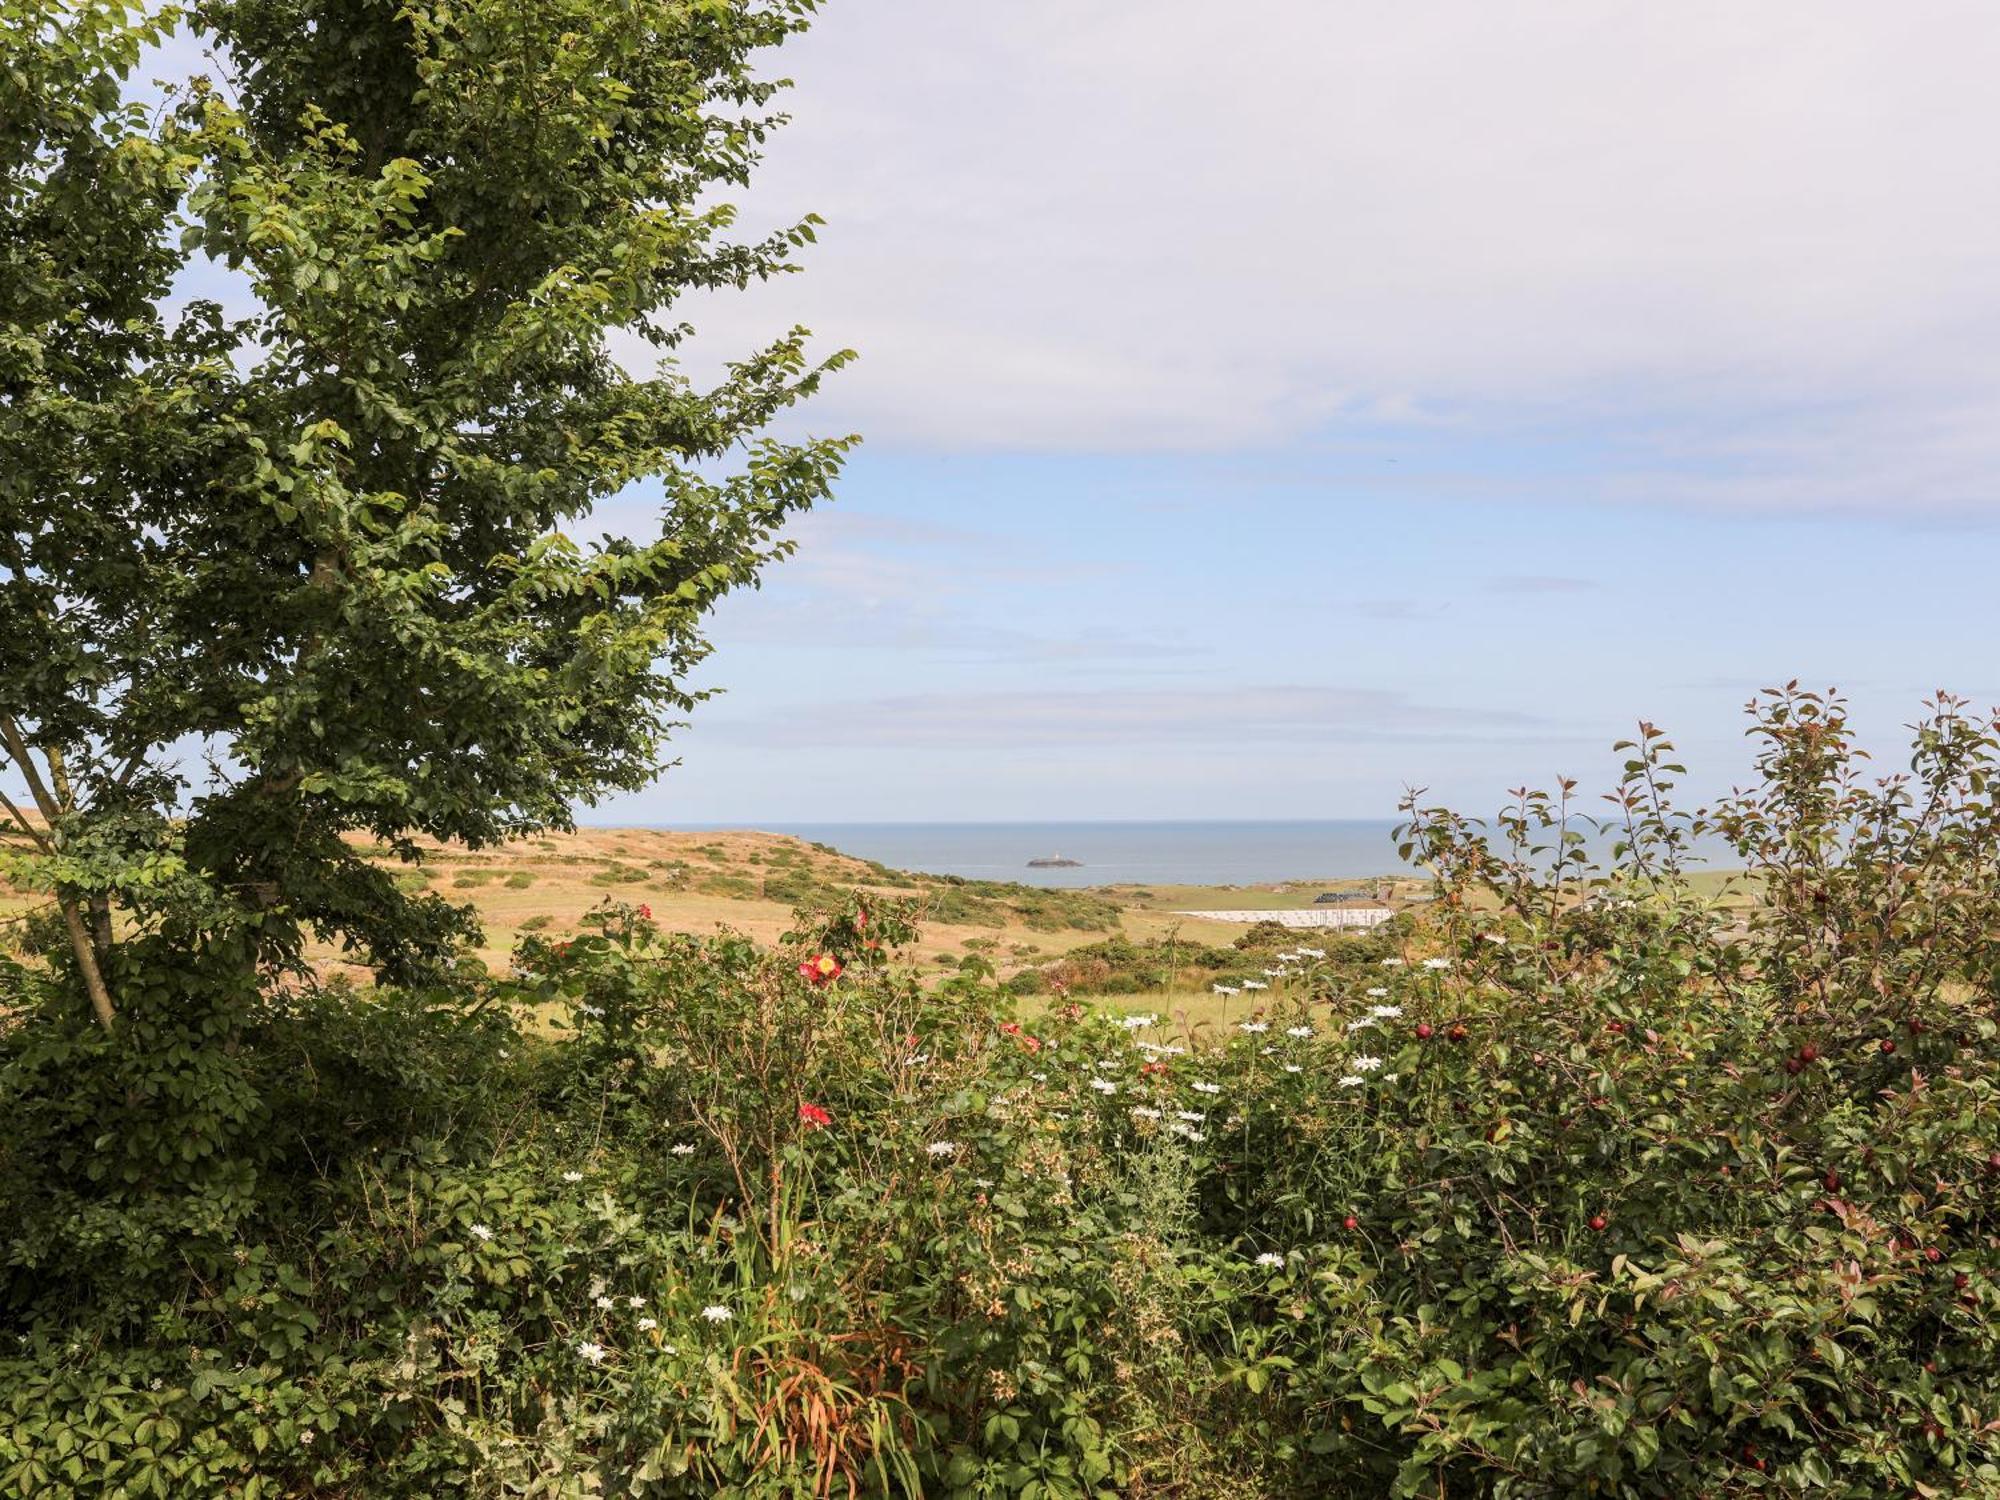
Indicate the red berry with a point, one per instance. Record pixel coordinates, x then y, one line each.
1916 1027
1933 1254
1614 1027
1350 1222
1808 1052
1598 1222
1457 1033
1961 1281
1794 1067
1888 1045
1423 1031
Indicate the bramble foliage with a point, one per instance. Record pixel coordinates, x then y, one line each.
1597 1184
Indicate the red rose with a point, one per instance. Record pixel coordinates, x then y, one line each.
821 968
813 1117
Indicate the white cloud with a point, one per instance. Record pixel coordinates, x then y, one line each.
1172 224
1136 718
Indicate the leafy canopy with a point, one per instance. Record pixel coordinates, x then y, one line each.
313 530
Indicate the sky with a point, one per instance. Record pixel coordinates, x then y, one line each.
1268 409
1265 409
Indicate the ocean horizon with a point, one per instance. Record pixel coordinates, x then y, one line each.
1165 852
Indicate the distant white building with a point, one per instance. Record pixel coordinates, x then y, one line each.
1352 918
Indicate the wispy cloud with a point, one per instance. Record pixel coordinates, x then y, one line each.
1138 718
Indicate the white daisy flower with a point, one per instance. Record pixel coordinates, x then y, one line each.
1437 963
1365 1064
647 1325
602 1302
635 1302
1135 1023
942 1148
715 1312
1392 963
1364 1023
1208 1088
1145 1113
1293 1068
572 1177
1386 1012
1192 1116
1188 1133
591 1354
1377 993
683 1149
480 1232
1104 1085
1350 1080
1313 952
1497 939
1255 984
1270 1258
1253 1027
1299 1031
1224 989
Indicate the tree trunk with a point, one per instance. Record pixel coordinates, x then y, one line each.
86 961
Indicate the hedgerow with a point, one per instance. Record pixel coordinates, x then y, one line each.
1598 1183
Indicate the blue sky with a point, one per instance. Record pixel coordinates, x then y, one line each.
1265 410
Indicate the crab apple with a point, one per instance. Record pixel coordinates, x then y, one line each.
1350 1222
1794 1067
1888 1045
1599 1223
1808 1052
1424 1029
1457 1033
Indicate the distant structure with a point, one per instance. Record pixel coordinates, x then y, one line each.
1055 862
1331 898
1352 918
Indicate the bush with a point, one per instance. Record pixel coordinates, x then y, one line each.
1596 1183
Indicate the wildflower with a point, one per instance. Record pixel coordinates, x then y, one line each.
1224 989
1188 1133
647 1325
1299 1031
1377 993
1313 952
645 912
1386 1012
1365 1023
1104 1085
813 1117
715 1312
682 1148
1255 984
1392 963
918 1059
1293 1068
1271 1258
1039 1077
1010 1028
942 1148
591 1354
603 1302
1193 1115
1254 1027
1144 1113
1277 973
635 1302
481 1232
572 1177
1494 938
1267 1051
1135 1023
590 1010
1365 1064
1350 1080
821 968
1437 963
306 1436
1208 1088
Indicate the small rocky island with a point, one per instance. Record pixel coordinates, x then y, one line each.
1055 862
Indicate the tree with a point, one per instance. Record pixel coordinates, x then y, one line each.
309 531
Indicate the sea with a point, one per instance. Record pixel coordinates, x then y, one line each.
1189 853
